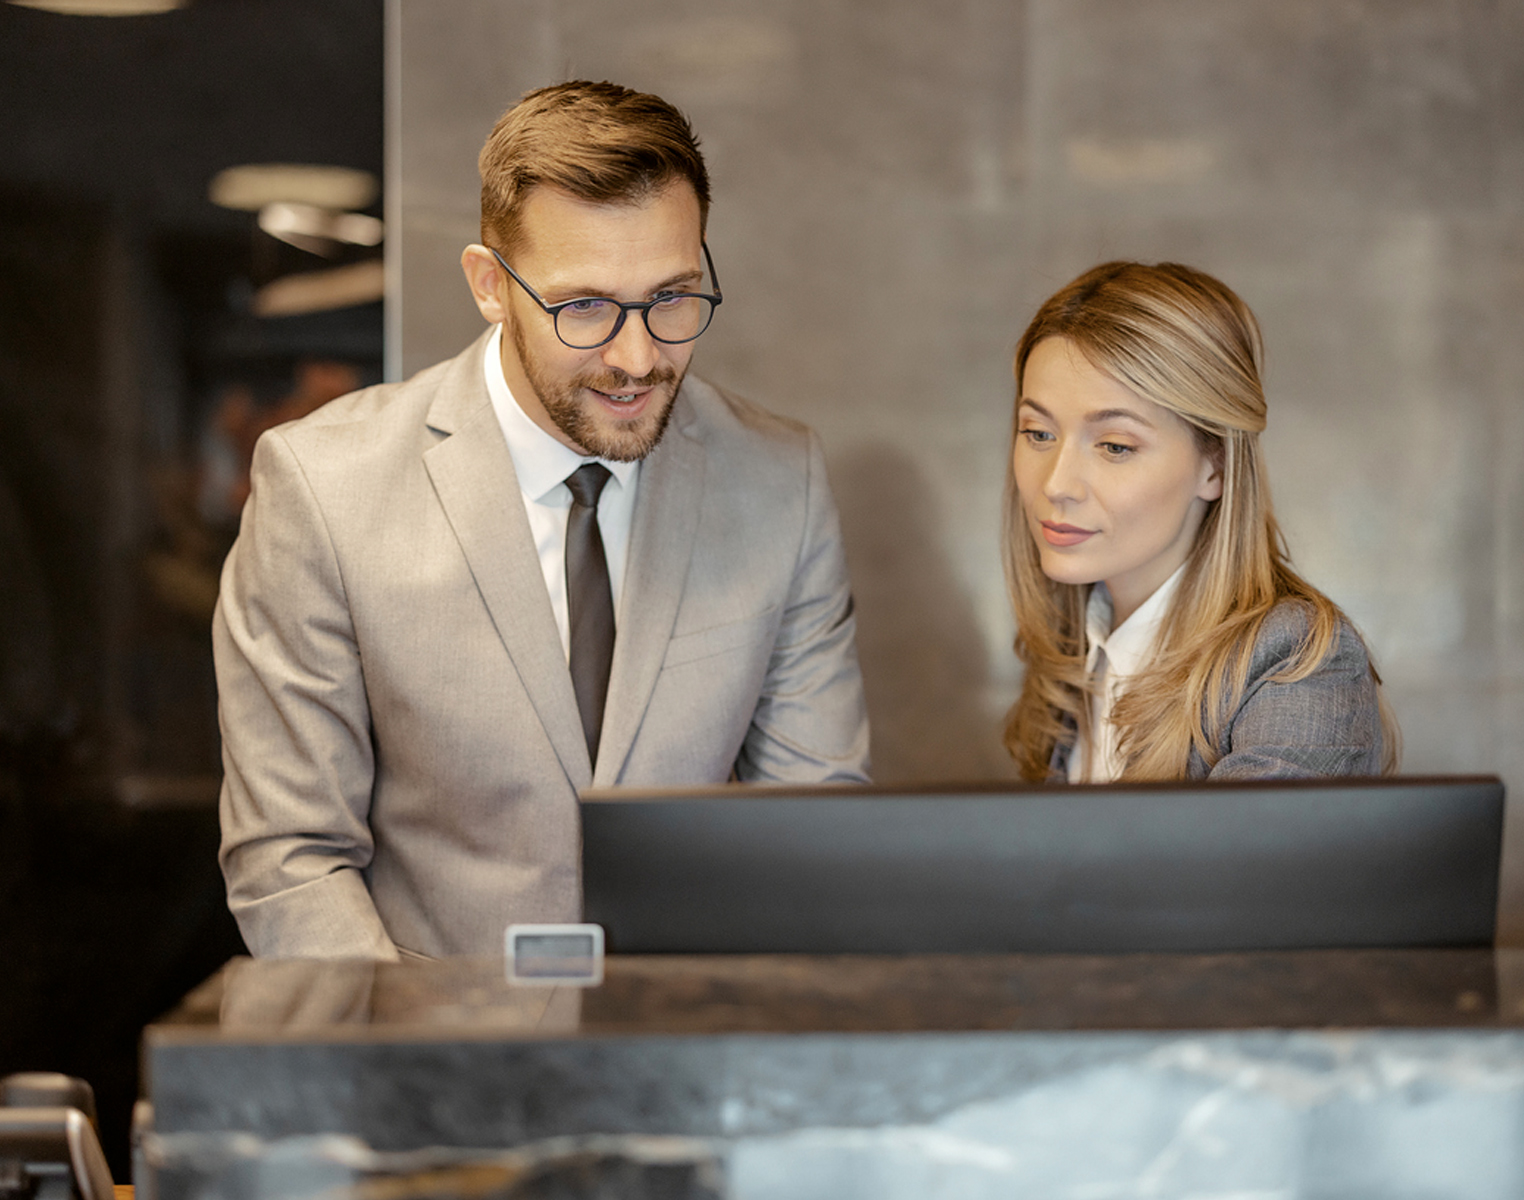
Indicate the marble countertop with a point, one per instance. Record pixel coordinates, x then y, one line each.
1377 1072
258 1000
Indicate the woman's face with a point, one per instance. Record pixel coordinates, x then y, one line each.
1114 487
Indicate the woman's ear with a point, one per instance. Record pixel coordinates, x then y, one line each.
1214 454
1209 482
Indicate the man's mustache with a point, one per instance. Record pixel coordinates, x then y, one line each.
618 381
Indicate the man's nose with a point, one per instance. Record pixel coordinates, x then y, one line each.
633 350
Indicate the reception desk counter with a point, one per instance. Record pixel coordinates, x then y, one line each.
1314 1073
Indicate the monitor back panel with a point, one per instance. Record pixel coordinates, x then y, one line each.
1194 868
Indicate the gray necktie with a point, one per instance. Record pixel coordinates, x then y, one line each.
589 600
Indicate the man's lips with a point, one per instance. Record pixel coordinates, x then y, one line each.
623 395
627 398
626 403
1056 533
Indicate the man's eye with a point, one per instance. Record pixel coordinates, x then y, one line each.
585 308
668 299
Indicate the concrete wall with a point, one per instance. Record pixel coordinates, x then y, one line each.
898 184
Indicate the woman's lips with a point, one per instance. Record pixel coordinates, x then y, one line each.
1056 534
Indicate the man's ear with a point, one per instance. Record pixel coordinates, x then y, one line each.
487 282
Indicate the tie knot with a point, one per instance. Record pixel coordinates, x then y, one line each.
586 484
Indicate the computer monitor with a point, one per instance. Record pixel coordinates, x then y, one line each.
994 868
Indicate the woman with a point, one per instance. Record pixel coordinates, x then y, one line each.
1163 631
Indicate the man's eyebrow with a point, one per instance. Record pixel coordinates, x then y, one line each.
560 295
693 276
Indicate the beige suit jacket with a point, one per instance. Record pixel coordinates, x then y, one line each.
401 746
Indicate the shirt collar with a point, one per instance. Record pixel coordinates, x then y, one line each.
541 462
1128 646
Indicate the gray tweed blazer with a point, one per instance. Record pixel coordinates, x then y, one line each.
1326 724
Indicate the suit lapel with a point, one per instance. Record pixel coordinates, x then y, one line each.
473 477
661 544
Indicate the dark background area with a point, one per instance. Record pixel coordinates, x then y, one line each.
127 347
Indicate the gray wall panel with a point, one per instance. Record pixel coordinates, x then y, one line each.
899 184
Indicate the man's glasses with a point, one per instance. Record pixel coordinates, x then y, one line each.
593 321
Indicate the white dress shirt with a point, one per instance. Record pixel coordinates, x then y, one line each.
1114 656
542 464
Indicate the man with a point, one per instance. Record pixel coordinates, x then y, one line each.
412 640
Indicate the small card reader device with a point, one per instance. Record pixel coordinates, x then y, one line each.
556 955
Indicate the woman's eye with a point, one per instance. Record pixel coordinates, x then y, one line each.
1037 437
1116 449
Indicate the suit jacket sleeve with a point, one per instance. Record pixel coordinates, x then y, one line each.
811 720
1326 724
298 759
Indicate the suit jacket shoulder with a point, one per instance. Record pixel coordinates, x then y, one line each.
736 434
1325 723
722 413
376 425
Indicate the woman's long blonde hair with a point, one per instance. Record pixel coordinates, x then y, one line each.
1185 341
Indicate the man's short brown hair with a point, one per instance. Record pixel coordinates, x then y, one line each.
597 141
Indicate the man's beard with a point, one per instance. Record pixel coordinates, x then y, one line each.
628 441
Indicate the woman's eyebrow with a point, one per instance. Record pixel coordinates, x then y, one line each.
1096 417
1114 414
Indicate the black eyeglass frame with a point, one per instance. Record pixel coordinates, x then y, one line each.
644 306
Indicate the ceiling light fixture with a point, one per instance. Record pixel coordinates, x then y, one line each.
319 291
102 8
319 230
253 186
